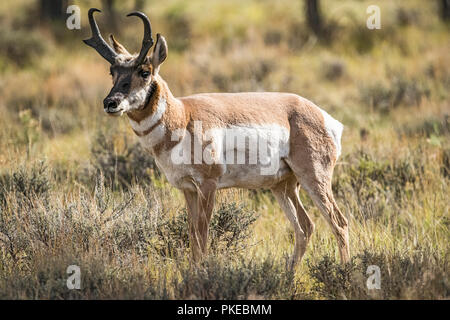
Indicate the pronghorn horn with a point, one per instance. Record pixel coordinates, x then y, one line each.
147 42
97 42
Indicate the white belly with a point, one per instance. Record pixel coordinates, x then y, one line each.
249 176
247 157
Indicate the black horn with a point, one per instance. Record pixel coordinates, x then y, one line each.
147 42
97 42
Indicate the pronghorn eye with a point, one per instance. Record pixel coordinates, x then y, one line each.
144 74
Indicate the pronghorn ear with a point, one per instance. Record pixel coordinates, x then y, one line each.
159 53
118 48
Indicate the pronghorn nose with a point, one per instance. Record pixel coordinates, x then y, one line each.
109 103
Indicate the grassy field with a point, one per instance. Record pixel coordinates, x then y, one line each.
76 188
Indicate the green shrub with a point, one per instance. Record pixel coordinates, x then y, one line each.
230 227
122 168
92 229
368 186
179 28
221 279
400 91
432 126
333 70
25 184
21 47
406 17
421 274
445 163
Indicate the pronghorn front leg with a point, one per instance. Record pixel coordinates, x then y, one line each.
192 207
200 205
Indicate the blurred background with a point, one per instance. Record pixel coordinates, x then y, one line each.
388 86
321 50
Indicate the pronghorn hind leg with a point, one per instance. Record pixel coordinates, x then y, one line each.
286 194
303 218
317 182
324 200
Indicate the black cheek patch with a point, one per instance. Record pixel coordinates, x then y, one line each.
125 89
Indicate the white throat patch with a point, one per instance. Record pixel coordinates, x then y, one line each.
150 121
158 133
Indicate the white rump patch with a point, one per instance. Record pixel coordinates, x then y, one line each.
334 129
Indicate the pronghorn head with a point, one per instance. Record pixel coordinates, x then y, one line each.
134 76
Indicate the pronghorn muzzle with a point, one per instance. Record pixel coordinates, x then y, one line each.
111 104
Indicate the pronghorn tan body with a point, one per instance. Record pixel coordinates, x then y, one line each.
302 142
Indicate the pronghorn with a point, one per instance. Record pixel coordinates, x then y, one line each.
302 140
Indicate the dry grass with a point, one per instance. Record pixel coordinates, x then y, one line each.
76 189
